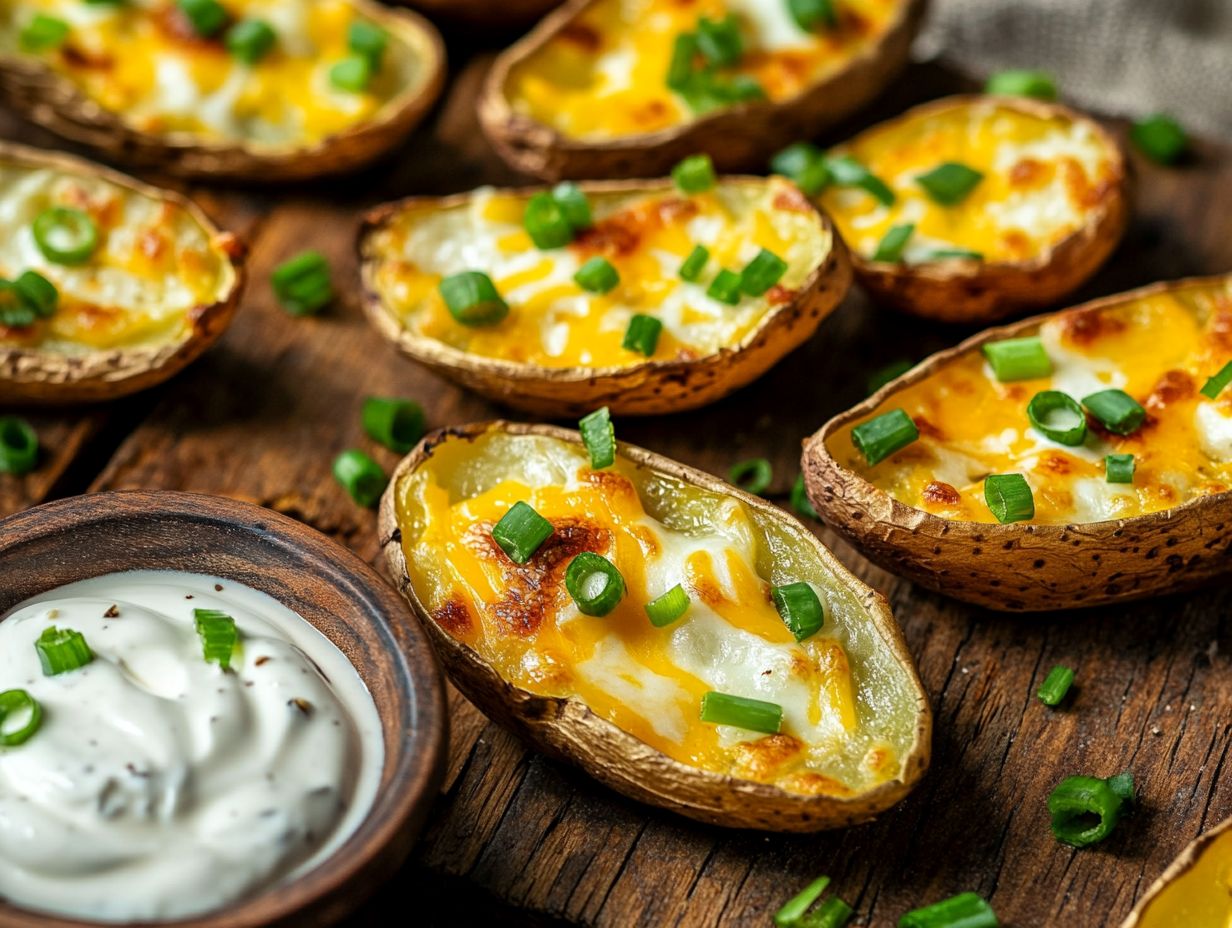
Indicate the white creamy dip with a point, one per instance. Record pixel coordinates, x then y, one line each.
160 785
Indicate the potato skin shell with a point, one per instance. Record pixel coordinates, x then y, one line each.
739 138
974 292
1020 567
54 103
566 729
32 377
1181 865
650 388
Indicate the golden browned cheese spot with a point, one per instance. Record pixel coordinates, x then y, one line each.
815 784
1017 241
778 295
1028 172
86 60
687 354
620 233
1081 190
1172 387
583 36
92 316
175 25
153 244
652 113
646 539
793 200
708 591
25 333
878 759
612 485
853 22
1219 329
1083 328
103 209
767 757
454 616
927 429
941 494
1055 463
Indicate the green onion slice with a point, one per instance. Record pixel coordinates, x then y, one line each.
750 714
680 68
949 183
360 476
1052 691
846 171
218 634
890 248
881 437
813 14
397 424
1214 385
1084 810
250 40
1123 785
952 254
302 283
545 221
19 446
892 371
599 437
1009 497
597 275
1160 138
1116 410
694 174
1119 468
642 335
1018 359
472 299
13 703
520 532
791 913
368 40
800 608
1022 83
41 33
804 163
719 41
694 264
62 650
594 583
762 273
800 501
667 608
725 287
1058 416
206 16
65 235
573 203
15 310
966 910
832 913
352 74
37 293
752 476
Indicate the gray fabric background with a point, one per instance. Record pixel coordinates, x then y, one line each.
1127 57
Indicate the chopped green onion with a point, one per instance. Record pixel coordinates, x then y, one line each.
719 41
750 714
12 704
599 437
351 74
250 40
725 287
1009 497
952 254
694 264
37 292
1055 685
846 171
302 283
1123 785
1116 410
752 476
762 273
804 163
520 532
574 204
41 33
472 299
791 913
62 650
890 248
814 178
1119 468
597 276
642 335
1160 138
594 583
799 499
65 235
1044 410
800 608
206 16
809 14
546 223
705 91
1084 810
1018 359
695 174
832 913
881 437
15 309
360 476
949 183
680 68
966 910
395 423
892 371
368 40
19 446
218 635
1214 385
667 608
1022 83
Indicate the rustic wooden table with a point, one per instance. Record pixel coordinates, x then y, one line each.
516 839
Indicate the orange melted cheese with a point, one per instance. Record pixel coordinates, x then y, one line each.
1159 348
1201 897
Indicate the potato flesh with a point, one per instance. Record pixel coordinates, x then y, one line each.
1201 897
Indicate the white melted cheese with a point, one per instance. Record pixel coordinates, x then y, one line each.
769 26
1214 428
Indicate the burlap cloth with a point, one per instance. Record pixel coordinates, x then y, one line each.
1127 57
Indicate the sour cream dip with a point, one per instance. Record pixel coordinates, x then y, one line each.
160 785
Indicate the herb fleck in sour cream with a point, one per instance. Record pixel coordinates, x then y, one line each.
159 785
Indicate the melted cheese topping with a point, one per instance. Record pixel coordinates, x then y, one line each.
1159 348
605 74
1043 178
154 264
848 709
142 60
1201 897
552 321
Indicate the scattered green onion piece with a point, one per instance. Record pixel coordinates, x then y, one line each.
890 248
302 283
13 702
65 235
694 174
694 264
38 35
368 40
62 650
642 335
804 163
881 437
1022 83
667 608
810 14
762 273
725 287
1123 785
1075 802
799 499
1119 468
952 254
397 424
1214 385
360 476
680 68
574 204
814 178
1160 138
546 223
949 183
749 714
218 635
846 171
790 914
520 532
966 910
1018 359
891 371
15 309
597 275
250 40
352 74
594 583
832 913
1042 410
472 299
37 292
1052 691
599 437
719 41
1009 497
705 91
800 608
19 446
752 476
1116 410
206 16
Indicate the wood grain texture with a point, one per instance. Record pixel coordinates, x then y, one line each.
261 416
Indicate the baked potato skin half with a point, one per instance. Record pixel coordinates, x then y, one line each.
1193 891
651 387
47 97
566 728
967 291
738 138
30 374
1026 566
